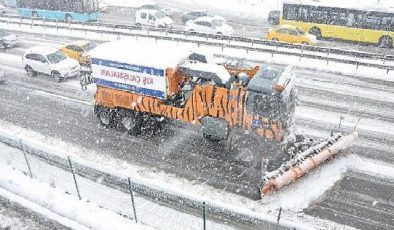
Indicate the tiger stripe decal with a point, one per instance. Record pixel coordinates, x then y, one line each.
205 100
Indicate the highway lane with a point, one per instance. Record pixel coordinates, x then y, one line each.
243 26
178 150
44 105
365 198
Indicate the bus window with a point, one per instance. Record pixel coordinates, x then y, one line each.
290 12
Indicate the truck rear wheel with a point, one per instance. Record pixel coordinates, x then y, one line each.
130 121
105 116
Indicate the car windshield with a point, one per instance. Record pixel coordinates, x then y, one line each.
160 15
89 46
56 57
299 31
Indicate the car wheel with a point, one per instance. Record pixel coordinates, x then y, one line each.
385 42
30 72
57 76
275 40
68 18
304 43
219 33
138 25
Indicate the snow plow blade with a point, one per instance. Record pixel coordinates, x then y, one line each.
305 161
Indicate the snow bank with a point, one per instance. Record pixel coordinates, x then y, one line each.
289 197
87 214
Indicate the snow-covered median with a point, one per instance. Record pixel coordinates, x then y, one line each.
84 215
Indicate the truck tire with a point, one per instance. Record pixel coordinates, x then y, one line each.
105 116
243 149
214 129
130 121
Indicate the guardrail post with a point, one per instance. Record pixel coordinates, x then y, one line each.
204 226
357 65
302 52
75 179
27 161
132 200
328 54
278 218
31 25
388 70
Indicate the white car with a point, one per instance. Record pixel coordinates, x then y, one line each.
8 39
155 18
209 25
50 61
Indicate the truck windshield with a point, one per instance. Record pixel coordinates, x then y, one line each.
56 57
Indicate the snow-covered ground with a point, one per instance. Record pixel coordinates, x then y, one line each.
289 199
55 204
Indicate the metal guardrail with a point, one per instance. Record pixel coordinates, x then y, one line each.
321 53
161 196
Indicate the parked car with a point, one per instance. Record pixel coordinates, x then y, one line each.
209 25
193 15
49 61
78 50
8 40
291 34
274 17
153 18
168 12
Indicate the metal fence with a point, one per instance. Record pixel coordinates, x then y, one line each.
356 58
143 203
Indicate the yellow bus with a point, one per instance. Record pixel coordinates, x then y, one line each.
346 21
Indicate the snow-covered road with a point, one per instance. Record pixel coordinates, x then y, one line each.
39 104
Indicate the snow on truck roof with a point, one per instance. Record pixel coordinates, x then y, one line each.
368 5
145 54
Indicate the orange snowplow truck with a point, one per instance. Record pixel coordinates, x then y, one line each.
138 87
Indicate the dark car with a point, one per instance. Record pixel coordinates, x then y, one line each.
273 17
193 15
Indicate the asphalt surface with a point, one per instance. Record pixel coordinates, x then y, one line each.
359 196
14 216
243 26
62 111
